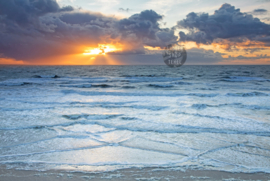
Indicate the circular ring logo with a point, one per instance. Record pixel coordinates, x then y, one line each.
174 55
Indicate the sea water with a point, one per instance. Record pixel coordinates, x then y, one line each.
102 118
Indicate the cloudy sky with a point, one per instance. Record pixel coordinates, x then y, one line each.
95 32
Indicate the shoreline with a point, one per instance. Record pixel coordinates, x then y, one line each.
143 174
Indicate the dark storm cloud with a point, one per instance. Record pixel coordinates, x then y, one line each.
226 23
144 29
24 11
51 34
143 25
67 8
33 29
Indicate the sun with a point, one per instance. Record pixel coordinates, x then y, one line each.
101 50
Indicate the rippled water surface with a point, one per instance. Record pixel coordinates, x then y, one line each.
98 118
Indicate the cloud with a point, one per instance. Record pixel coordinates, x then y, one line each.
226 23
143 25
67 8
202 56
144 29
123 10
25 11
241 57
260 11
52 34
36 29
194 56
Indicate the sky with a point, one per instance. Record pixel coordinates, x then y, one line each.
125 32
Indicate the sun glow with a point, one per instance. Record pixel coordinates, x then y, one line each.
101 50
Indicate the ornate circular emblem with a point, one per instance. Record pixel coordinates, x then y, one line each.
174 55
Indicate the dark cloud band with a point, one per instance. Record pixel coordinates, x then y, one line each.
226 23
33 29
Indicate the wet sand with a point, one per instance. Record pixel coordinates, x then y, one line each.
145 174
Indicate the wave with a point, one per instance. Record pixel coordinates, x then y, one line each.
202 95
243 79
200 106
46 76
102 85
27 81
128 87
149 75
160 85
237 105
75 118
249 94
65 82
18 84
78 86
129 118
97 93
94 103
182 83
100 103
88 85
138 125
151 79
151 108
150 126
91 116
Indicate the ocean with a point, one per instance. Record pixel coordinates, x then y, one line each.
105 118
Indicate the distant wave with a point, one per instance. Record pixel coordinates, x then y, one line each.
18 83
145 75
202 95
236 105
182 83
160 85
249 94
88 85
46 76
128 87
95 93
78 85
200 106
102 85
242 79
90 116
138 125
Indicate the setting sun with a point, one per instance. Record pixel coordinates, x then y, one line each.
101 50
